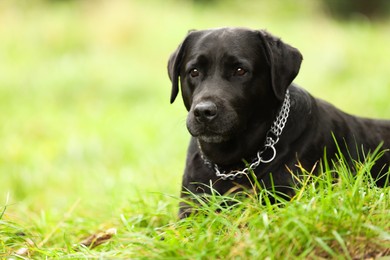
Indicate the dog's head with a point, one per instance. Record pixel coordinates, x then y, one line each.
231 78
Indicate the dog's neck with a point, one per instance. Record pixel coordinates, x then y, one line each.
256 141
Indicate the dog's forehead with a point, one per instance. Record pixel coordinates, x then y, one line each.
225 33
228 40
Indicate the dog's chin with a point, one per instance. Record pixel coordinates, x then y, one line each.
212 139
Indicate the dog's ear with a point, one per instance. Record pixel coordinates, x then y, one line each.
174 63
284 61
174 70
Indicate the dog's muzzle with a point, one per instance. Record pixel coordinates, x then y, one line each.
212 122
205 112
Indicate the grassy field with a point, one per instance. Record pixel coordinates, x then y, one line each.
89 142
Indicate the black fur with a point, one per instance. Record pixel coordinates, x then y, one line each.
230 112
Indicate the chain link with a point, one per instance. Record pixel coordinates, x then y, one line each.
272 137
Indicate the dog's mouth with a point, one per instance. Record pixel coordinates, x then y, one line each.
212 138
207 135
211 123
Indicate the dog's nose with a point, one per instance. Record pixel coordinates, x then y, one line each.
205 111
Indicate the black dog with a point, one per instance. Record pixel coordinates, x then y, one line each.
242 107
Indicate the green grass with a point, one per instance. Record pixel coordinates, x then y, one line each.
86 134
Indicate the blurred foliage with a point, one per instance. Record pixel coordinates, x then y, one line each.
84 95
342 9
346 9
85 90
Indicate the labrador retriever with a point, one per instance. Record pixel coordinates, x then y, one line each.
245 114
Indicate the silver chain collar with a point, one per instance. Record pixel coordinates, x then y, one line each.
271 139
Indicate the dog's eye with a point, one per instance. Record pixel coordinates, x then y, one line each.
239 72
194 73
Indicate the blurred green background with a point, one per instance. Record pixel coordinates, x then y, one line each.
84 92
